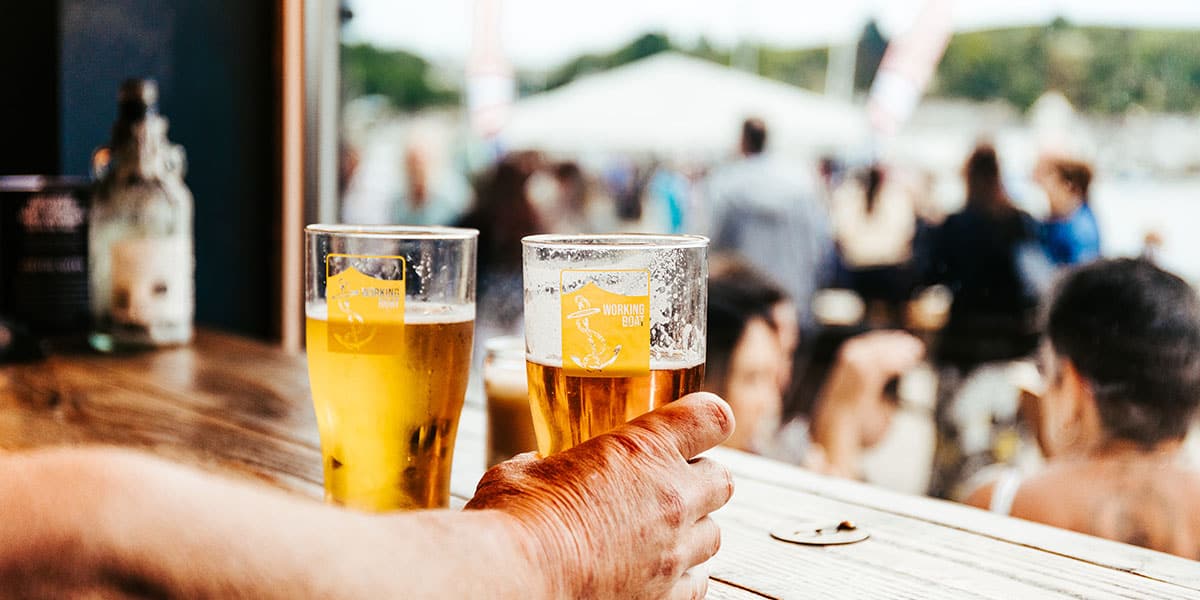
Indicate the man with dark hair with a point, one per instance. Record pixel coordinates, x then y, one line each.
1132 332
1121 359
768 211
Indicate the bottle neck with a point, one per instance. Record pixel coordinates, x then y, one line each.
138 148
134 110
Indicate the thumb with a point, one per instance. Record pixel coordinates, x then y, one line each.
692 424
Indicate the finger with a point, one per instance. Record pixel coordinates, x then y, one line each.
691 424
692 585
881 354
715 485
700 542
524 457
506 471
516 464
911 348
900 350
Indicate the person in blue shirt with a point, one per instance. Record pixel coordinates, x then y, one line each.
1070 235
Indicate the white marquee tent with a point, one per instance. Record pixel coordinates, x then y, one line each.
675 105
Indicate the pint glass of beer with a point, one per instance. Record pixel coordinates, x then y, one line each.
390 317
509 423
614 327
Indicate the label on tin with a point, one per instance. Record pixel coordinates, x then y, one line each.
56 213
365 296
605 322
152 282
43 258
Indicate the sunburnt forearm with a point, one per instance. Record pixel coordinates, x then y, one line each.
119 523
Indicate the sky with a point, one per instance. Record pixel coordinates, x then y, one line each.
539 34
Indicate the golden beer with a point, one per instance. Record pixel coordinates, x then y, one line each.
568 410
510 424
388 422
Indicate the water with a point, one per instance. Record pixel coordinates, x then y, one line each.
1127 208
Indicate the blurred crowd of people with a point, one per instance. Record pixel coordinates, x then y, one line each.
827 286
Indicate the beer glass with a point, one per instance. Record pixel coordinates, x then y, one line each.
390 314
509 422
614 327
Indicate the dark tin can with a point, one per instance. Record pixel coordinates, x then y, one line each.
43 253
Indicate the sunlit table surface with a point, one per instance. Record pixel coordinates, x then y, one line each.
243 408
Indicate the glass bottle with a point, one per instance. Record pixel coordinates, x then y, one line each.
140 251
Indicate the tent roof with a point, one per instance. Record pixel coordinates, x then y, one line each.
677 105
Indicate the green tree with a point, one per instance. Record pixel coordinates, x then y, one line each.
647 44
705 50
1008 64
404 78
1098 69
805 68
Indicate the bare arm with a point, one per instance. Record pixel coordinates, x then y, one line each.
624 515
115 522
852 412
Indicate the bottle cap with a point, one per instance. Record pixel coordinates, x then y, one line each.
136 98
816 533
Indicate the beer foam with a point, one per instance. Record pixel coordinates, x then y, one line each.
506 383
673 363
415 313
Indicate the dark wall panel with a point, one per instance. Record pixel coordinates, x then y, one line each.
29 89
214 61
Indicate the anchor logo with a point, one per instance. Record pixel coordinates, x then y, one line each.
599 357
359 334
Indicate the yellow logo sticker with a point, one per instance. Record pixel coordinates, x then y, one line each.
605 333
366 313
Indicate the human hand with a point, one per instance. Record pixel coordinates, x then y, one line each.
853 412
625 514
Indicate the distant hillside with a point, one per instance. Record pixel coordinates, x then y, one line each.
1100 70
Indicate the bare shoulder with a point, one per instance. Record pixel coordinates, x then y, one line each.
1190 480
1049 496
1085 497
981 497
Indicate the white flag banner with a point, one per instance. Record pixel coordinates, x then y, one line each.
490 85
908 65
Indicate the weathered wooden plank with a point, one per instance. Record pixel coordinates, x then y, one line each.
720 590
61 402
154 403
907 558
1113 555
904 557
919 554
238 381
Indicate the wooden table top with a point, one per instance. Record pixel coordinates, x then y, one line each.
242 407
